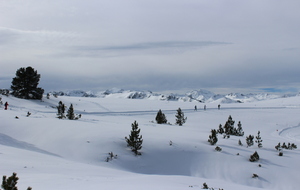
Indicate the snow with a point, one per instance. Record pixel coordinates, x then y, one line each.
48 153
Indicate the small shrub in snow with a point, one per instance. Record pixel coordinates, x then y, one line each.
240 142
278 147
254 157
28 114
11 182
280 154
254 176
205 186
219 149
111 156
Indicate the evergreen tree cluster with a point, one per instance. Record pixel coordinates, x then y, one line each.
290 146
70 113
180 118
229 128
24 85
11 182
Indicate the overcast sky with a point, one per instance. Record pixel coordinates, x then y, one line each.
159 45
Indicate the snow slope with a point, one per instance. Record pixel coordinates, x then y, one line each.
48 153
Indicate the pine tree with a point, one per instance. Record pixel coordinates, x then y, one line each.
135 141
160 117
220 130
258 140
213 139
229 126
249 140
239 130
24 85
70 113
61 110
180 119
11 182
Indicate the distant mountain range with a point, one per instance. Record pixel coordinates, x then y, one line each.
201 95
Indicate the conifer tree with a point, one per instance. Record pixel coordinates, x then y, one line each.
249 140
61 110
254 157
24 85
70 113
160 117
180 119
239 130
213 139
135 141
229 126
258 140
220 130
11 182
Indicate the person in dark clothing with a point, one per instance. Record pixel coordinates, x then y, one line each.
5 105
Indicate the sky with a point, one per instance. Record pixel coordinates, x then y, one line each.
158 45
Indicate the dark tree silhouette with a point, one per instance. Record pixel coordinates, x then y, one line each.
180 119
160 117
135 141
24 85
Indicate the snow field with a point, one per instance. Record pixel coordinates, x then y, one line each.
49 153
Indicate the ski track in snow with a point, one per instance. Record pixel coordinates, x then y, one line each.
291 133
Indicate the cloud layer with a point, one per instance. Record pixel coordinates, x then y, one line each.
153 45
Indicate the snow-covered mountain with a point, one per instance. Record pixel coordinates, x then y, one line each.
201 95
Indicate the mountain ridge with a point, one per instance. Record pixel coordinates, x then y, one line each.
201 95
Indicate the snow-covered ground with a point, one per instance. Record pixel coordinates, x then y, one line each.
48 153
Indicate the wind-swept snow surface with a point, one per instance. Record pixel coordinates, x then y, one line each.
49 153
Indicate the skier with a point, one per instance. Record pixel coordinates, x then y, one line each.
195 108
219 106
5 105
204 107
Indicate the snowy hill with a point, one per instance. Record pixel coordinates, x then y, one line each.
49 153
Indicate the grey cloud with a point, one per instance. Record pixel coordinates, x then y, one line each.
149 47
